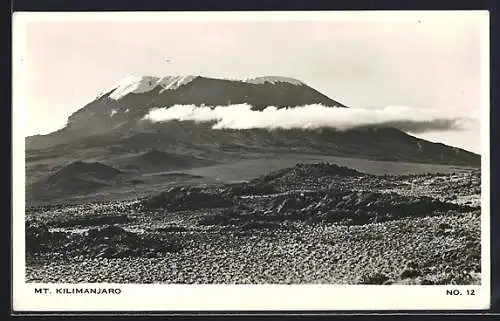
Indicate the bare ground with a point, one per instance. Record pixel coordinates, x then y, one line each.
306 224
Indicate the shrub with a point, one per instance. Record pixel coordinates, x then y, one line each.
259 225
373 278
410 273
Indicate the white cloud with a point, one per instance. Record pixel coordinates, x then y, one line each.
241 116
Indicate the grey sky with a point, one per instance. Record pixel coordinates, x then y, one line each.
429 62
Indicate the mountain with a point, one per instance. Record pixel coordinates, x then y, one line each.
113 125
74 178
121 107
157 160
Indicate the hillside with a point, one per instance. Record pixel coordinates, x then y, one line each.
155 160
75 178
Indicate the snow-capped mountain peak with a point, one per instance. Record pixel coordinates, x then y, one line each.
133 84
274 80
142 84
174 82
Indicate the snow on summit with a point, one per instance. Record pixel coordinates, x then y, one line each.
132 84
274 79
174 82
136 84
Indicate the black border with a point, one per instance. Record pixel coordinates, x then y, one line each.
227 5
220 5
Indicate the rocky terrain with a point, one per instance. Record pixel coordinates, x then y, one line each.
310 223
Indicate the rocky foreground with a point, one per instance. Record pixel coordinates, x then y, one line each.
317 223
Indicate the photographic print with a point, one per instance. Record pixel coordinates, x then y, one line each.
222 152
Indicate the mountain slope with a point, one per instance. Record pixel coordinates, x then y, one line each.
115 121
157 160
107 113
75 178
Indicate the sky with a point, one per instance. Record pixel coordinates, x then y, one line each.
422 61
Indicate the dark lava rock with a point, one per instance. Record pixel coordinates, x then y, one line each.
252 188
361 207
287 205
182 198
410 273
103 242
374 278
255 225
43 240
444 226
301 171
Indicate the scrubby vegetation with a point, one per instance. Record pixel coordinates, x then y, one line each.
316 223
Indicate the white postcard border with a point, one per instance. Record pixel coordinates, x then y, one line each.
162 297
